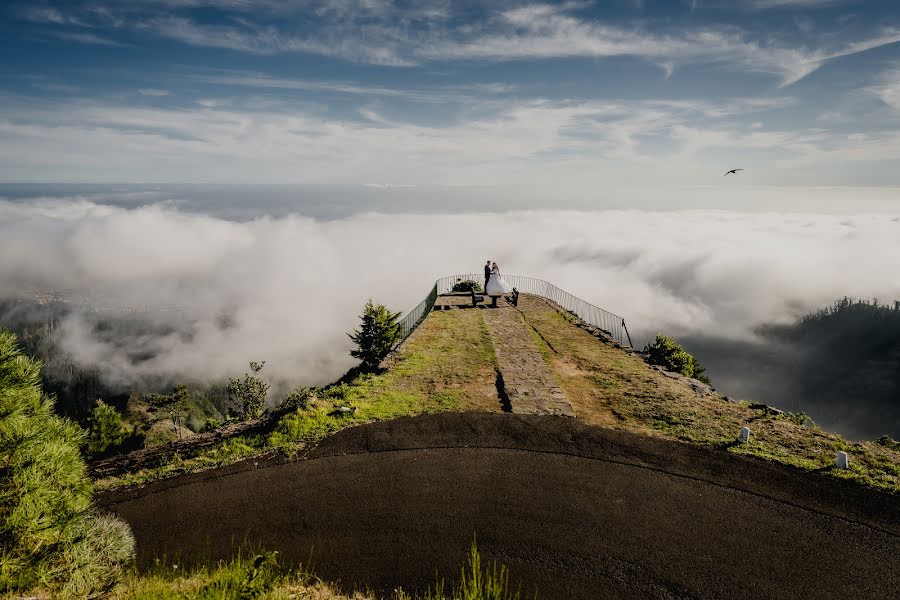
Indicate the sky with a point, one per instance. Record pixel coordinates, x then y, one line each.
568 98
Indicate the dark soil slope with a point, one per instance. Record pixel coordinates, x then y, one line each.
574 510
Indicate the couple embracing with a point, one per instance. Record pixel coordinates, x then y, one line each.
494 284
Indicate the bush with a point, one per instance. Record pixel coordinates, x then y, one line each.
297 399
466 286
376 336
668 353
478 582
249 394
888 442
52 537
107 429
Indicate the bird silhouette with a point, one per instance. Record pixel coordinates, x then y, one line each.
733 171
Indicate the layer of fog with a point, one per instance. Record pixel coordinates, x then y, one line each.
287 289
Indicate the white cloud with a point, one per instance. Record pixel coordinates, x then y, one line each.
545 31
383 33
291 287
797 3
86 38
153 92
888 88
500 141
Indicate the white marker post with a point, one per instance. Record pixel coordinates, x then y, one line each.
744 435
841 460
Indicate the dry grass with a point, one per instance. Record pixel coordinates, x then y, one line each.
610 388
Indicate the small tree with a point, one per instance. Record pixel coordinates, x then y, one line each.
666 352
376 336
174 405
107 429
249 394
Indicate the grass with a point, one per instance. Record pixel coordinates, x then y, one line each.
447 364
258 575
607 387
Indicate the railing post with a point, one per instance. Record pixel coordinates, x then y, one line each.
630 345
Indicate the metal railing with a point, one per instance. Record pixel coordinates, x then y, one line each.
411 320
587 312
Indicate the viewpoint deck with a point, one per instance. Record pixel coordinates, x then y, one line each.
526 380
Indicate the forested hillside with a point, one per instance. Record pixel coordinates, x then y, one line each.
840 365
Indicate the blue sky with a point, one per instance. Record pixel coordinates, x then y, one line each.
566 96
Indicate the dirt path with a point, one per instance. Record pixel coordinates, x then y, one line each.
577 511
528 381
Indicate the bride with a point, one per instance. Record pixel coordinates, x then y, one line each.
496 285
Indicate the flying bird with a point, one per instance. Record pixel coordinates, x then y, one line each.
733 171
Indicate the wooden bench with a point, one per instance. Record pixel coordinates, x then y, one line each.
476 299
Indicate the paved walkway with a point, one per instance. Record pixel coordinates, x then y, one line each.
528 382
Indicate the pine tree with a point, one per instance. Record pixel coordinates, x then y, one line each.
376 336
107 430
52 536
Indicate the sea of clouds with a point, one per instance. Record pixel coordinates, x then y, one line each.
287 290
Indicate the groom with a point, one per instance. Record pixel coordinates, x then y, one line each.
487 274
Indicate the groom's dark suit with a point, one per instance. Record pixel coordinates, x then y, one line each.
487 275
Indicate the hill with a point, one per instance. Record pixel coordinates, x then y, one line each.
454 361
840 364
611 475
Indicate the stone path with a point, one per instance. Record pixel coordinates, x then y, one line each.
528 381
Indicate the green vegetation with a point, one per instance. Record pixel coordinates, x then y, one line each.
260 576
477 582
377 334
447 364
174 406
466 286
52 537
668 353
249 394
846 357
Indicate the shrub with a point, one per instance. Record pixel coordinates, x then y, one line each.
107 429
466 286
297 399
52 537
668 353
249 394
376 336
478 582
888 442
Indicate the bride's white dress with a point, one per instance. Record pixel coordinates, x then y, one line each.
496 285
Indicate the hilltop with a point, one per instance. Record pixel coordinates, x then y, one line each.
612 476
451 363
